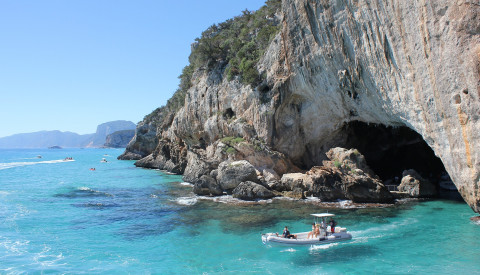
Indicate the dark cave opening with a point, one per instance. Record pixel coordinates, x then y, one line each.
391 150
228 113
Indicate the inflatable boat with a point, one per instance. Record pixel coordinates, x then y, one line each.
303 239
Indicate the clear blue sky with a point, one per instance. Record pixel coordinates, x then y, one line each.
71 65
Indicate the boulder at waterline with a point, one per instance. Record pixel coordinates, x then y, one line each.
250 191
207 185
416 186
232 173
340 178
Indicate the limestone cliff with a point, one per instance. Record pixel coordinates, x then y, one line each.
119 139
107 128
393 63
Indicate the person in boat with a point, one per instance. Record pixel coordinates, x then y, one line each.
317 231
286 234
333 223
311 233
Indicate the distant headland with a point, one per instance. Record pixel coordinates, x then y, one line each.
58 139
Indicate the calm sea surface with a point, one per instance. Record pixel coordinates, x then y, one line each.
61 217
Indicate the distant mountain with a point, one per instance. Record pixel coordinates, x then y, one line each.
44 139
119 139
105 129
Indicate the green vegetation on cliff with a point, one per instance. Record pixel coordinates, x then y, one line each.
235 45
238 43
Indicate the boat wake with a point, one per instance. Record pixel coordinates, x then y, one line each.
322 247
30 158
289 250
9 165
363 236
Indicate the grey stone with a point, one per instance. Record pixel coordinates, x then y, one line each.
214 173
331 183
232 173
119 139
251 191
416 186
196 167
207 185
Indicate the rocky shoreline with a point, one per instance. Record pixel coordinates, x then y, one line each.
349 74
344 177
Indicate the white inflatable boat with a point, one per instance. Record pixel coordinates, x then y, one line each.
326 235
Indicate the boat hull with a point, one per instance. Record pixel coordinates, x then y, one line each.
273 239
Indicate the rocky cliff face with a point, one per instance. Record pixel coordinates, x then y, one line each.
107 128
119 139
394 63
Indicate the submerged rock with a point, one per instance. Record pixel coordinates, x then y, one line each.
416 186
251 191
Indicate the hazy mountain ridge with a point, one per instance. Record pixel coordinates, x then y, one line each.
42 139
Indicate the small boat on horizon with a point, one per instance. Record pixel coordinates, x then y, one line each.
325 235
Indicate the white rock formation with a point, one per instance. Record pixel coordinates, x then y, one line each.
396 63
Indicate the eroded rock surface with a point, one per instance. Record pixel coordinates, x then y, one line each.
416 186
206 185
395 63
340 178
231 174
251 191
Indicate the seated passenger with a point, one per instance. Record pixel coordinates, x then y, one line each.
333 223
310 234
317 231
286 234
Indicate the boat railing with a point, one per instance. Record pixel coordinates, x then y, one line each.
392 187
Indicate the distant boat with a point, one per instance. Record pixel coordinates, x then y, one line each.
39 157
55 147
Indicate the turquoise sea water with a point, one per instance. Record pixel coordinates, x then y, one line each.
60 217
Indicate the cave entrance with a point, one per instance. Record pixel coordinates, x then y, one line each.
391 150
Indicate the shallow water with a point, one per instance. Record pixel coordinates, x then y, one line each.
60 217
